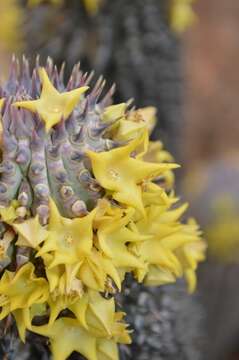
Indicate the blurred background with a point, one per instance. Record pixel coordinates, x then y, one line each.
211 163
180 56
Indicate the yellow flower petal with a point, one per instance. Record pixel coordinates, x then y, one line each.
117 171
8 214
107 349
32 234
131 126
114 112
22 289
158 276
100 314
114 238
92 272
23 320
191 280
69 240
67 335
52 105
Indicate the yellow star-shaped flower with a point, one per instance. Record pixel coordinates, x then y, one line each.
148 114
153 194
67 335
105 211
173 250
114 237
93 333
133 124
70 240
166 236
64 287
8 214
191 253
22 289
102 320
61 278
90 308
117 171
156 153
52 106
95 269
95 314
30 233
114 112
128 130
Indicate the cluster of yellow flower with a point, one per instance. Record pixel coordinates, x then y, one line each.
77 263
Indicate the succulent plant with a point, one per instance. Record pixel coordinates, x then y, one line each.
85 199
146 66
